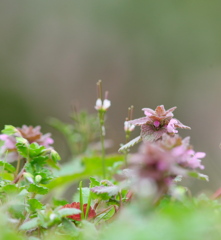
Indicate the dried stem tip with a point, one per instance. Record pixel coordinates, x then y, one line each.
99 89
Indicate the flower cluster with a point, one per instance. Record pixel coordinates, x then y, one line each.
157 122
162 161
30 133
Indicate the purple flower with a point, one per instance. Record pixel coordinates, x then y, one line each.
157 122
187 157
156 164
31 134
182 151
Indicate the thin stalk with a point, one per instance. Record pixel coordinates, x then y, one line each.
18 166
102 134
88 203
81 200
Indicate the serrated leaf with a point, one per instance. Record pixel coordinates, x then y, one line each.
68 211
9 130
35 149
37 189
22 146
130 144
34 204
7 166
198 175
33 223
39 160
94 182
10 189
110 190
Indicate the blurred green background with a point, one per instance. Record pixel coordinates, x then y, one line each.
146 52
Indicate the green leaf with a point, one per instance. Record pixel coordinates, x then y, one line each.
35 149
9 130
107 215
130 144
37 189
198 175
94 182
39 160
33 223
68 211
7 166
22 146
74 171
69 227
110 190
58 202
11 189
34 204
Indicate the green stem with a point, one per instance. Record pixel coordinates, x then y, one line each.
88 203
81 201
18 166
102 133
126 151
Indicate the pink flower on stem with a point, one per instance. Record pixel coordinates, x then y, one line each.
157 122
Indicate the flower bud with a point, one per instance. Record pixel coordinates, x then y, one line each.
38 178
29 177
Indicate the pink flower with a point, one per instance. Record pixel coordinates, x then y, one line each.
157 122
156 164
31 134
182 151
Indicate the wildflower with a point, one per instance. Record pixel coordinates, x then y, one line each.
157 122
102 105
128 127
77 217
187 157
154 163
30 133
182 150
35 135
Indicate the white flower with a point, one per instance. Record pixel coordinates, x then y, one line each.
102 105
128 127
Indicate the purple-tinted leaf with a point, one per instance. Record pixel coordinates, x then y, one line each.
110 190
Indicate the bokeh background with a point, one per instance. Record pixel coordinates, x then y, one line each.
146 52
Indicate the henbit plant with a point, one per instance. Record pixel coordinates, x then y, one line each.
120 196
